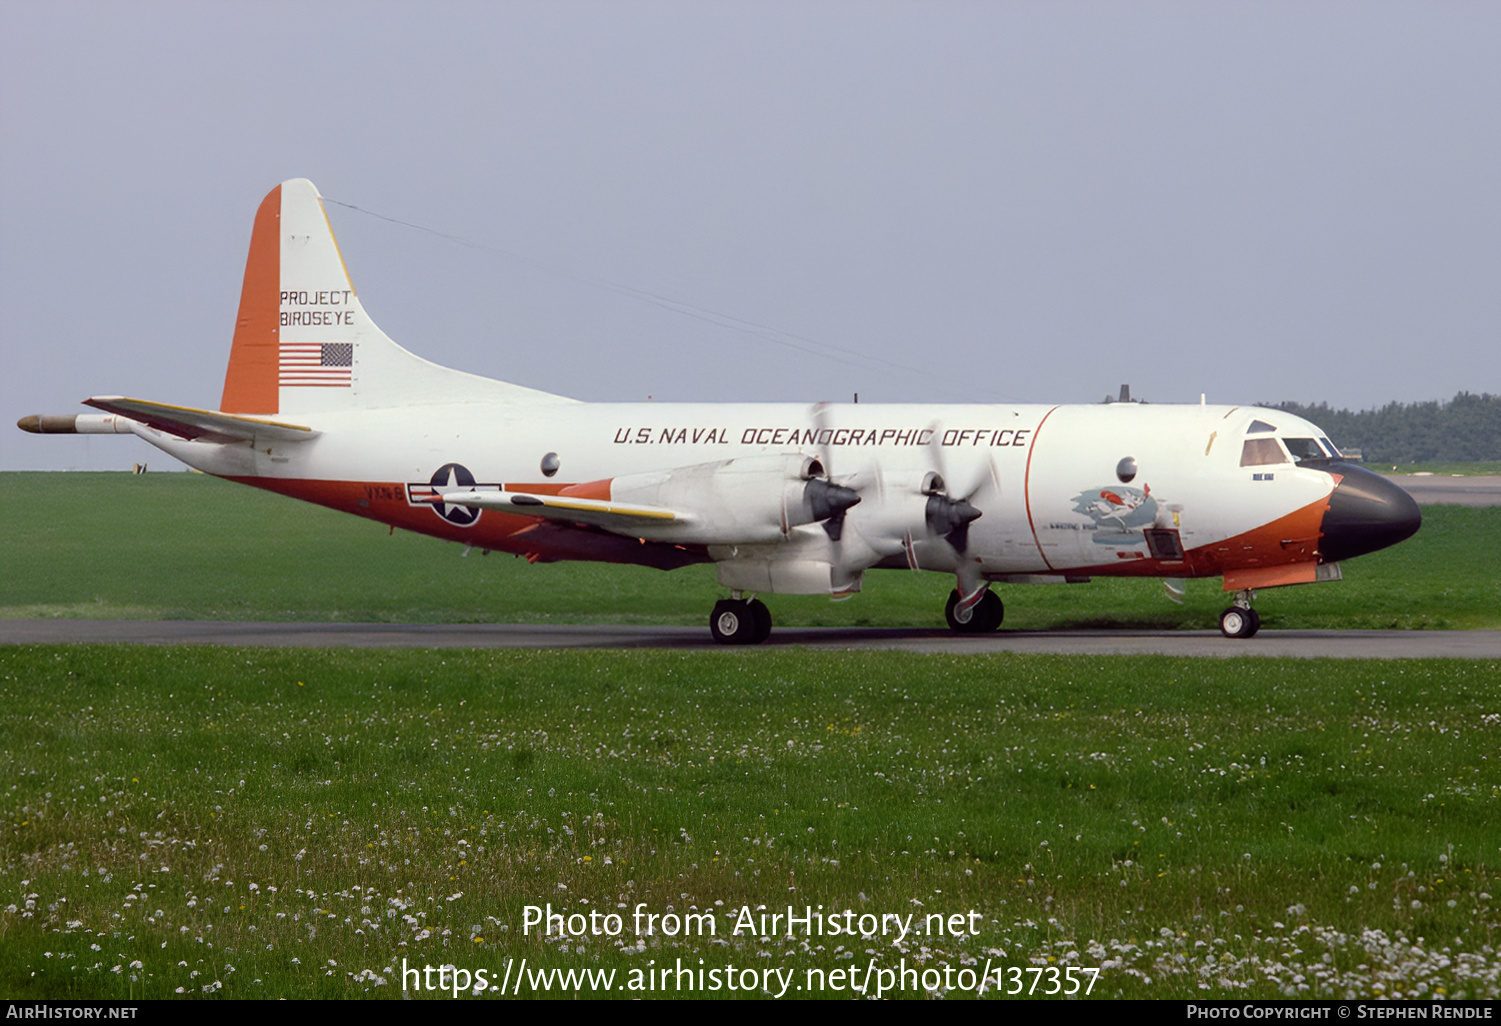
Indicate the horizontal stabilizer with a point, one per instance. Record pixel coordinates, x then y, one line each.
204 425
612 516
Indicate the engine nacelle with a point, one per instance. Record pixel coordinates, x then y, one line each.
786 577
740 501
912 513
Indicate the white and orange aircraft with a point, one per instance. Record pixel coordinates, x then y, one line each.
320 405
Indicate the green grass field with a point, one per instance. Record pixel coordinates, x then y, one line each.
248 823
185 546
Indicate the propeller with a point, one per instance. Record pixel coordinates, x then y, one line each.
946 511
949 513
949 510
849 556
838 498
949 516
829 503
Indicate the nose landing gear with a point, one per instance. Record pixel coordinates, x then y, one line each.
1240 620
984 617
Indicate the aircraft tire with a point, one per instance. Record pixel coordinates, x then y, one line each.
1237 622
990 612
761 617
985 617
733 622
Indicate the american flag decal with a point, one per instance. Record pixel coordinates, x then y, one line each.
316 364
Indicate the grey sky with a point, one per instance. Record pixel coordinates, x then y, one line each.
926 202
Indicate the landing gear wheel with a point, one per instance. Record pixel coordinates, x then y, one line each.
990 612
761 617
984 617
731 623
1239 622
738 622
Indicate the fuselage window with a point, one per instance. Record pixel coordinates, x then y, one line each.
1304 449
1261 452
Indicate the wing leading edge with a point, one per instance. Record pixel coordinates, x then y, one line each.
612 516
202 425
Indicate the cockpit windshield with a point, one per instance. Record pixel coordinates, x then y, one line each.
1264 447
1261 452
1304 449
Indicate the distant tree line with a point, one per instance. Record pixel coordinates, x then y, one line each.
1465 429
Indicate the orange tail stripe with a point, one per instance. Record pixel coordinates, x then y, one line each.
250 385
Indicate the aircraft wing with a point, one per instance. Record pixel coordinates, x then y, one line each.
208 425
622 518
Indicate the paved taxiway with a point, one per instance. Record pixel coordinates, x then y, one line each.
1431 489
1297 644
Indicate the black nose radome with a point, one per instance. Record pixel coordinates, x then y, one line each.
1366 512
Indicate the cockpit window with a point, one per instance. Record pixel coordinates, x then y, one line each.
1261 452
1259 425
1329 447
1304 449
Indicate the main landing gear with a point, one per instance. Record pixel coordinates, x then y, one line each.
738 621
986 616
1240 620
742 621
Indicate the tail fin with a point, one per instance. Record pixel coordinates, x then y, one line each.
303 343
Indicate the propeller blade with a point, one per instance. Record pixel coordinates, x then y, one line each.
984 474
960 482
820 418
949 510
823 494
834 526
